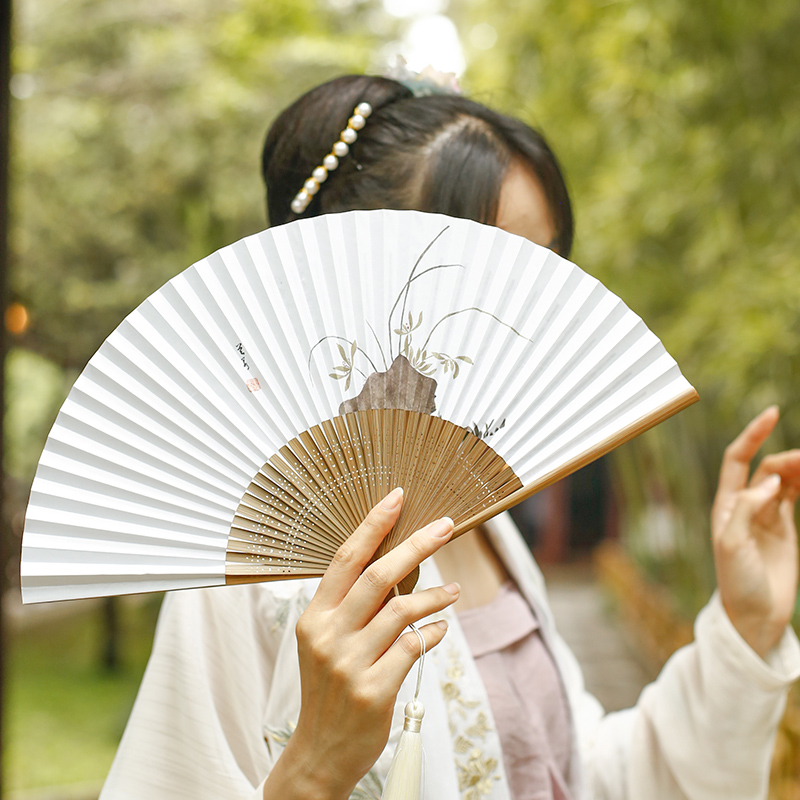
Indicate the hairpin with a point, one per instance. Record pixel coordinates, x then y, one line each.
331 161
421 84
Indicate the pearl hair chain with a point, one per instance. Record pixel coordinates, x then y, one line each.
331 161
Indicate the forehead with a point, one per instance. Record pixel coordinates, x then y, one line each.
523 208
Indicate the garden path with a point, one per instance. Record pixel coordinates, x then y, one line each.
612 669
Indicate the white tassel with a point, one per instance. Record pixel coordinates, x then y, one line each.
404 780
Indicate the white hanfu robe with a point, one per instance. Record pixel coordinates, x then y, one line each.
221 695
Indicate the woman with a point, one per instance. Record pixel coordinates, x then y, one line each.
268 691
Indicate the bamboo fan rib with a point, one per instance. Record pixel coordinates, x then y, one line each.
307 500
241 422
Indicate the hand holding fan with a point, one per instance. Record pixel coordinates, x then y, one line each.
242 421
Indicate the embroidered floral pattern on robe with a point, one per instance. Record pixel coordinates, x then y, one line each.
468 727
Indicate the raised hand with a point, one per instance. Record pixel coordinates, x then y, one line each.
754 535
353 657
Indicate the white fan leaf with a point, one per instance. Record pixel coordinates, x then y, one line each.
240 423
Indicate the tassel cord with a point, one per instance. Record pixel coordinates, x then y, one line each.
421 662
404 781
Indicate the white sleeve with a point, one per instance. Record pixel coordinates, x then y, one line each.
196 729
704 730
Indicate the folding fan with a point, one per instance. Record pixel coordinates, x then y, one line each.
242 421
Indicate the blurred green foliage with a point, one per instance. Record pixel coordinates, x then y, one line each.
678 124
137 151
65 714
35 389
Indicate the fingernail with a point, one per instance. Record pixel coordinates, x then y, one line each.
442 623
441 528
772 483
452 588
392 500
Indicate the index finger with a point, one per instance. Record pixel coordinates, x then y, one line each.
739 453
354 554
370 590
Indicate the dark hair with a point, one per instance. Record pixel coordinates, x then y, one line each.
441 153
